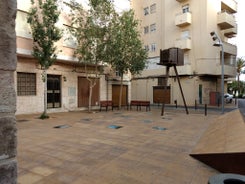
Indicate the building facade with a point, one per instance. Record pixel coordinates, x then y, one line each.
68 87
186 24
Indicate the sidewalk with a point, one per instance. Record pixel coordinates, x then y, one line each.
147 148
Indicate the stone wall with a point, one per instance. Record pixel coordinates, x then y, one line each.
8 139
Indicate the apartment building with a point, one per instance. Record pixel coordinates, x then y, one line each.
186 24
68 88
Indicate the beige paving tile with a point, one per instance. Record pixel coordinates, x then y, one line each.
91 153
29 178
41 170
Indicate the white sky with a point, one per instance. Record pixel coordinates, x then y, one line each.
239 40
119 4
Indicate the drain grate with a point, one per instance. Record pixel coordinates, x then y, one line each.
125 116
62 126
167 118
147 121
114 126
87 119
22 120
159 128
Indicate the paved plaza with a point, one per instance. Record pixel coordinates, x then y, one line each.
147 148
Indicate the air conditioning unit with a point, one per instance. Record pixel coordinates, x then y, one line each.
171 57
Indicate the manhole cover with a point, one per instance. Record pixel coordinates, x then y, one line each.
114 126
159 128
62 126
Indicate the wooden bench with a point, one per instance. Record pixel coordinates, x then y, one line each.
106 104
139 103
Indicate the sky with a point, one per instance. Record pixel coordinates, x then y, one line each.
120 5
239 40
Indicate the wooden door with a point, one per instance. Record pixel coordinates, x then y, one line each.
116 93
161 94
83 92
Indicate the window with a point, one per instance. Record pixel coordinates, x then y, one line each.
185 34
26 84
153 8
146 29
146 11
118 74
185 8
162 81
153 47
69 39
147 47
153 27
23 29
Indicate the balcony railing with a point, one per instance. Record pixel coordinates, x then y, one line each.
229 33
183 43
213 67
229 5
230 48
183 19
226 20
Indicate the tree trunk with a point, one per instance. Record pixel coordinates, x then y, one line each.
45 81
120 95
90 95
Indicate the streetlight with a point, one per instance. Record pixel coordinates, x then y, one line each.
218 43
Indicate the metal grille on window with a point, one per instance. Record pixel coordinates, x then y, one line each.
26 84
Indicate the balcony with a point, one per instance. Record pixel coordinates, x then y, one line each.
230 48
230 33
183 19
183 43
229 5
226 20
213 67
184 70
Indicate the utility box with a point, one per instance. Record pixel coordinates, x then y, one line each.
171 57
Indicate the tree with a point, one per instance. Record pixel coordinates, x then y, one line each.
234 85
239 69
90 28
42 18
126 51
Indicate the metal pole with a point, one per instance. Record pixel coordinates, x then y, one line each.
222 78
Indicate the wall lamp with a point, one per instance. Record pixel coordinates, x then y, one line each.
218 43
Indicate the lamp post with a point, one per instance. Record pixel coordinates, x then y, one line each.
219 43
